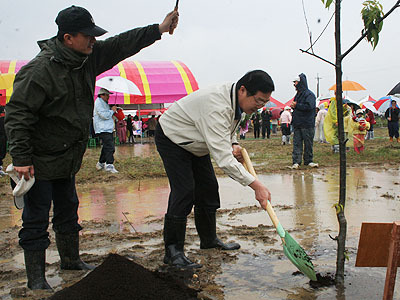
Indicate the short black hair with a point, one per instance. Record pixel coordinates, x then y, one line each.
257 80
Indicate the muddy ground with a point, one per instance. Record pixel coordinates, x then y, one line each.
302 199
99 238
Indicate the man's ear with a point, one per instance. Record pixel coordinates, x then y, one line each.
68 39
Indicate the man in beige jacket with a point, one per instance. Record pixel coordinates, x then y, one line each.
201 124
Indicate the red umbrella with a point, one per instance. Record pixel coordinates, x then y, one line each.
276 113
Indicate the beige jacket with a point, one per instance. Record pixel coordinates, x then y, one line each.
204 123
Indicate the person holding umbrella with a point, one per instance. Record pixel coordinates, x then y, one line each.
392 115
103 123
47 124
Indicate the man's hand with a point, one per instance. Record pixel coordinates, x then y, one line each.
293 105
170 22
237 153
26 171
261 192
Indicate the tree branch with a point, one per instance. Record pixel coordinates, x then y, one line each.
366 31
312 54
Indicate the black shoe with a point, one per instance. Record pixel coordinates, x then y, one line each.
68 248
177 258
174 239
206 225
35 270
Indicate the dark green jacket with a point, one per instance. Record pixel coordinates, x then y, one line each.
51 108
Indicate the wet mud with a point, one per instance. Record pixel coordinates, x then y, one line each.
259 270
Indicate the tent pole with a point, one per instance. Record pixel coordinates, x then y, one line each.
141 129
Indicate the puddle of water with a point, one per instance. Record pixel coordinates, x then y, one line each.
303 203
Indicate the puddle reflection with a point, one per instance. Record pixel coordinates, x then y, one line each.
303 203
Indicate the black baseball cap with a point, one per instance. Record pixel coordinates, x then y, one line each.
77 19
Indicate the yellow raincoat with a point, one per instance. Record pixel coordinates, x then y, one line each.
331 124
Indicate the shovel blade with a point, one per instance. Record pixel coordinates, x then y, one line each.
298 257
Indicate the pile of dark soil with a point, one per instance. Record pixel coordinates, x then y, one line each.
120 278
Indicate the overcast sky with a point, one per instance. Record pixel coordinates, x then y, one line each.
220 40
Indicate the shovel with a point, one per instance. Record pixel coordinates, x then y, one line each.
291 248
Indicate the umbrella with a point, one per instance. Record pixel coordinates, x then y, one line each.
118 84
367 99
289 103
370 106
274 103
276 113
323 100
385 102
348 85
395 90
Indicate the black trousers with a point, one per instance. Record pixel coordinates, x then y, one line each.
192 179
3 148
108 149
256 132
266 128
393 128
35 216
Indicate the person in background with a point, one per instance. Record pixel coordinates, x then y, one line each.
256 124
331 130
392 115
47 124
359 129
303 123
274 125
370 118
3 140
244 126
319 124
129 128
265 123
285 120
198 126
152 123
104 124
121 131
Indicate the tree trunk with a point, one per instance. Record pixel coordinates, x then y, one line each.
341 238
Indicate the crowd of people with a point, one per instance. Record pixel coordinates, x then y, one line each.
310 123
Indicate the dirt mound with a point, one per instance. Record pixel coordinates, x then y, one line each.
120 278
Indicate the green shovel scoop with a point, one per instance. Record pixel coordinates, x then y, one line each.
291 248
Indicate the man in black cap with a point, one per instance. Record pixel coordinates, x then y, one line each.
47 123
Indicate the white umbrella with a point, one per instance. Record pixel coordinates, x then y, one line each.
118 84
371 107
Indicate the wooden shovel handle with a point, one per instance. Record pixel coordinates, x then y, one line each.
171 30
249 166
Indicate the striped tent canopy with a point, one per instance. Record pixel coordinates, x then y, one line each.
158 81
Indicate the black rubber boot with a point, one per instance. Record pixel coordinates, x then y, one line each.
206 225
35 270
174 239
68 248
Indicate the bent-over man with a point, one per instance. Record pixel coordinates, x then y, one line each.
201 125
